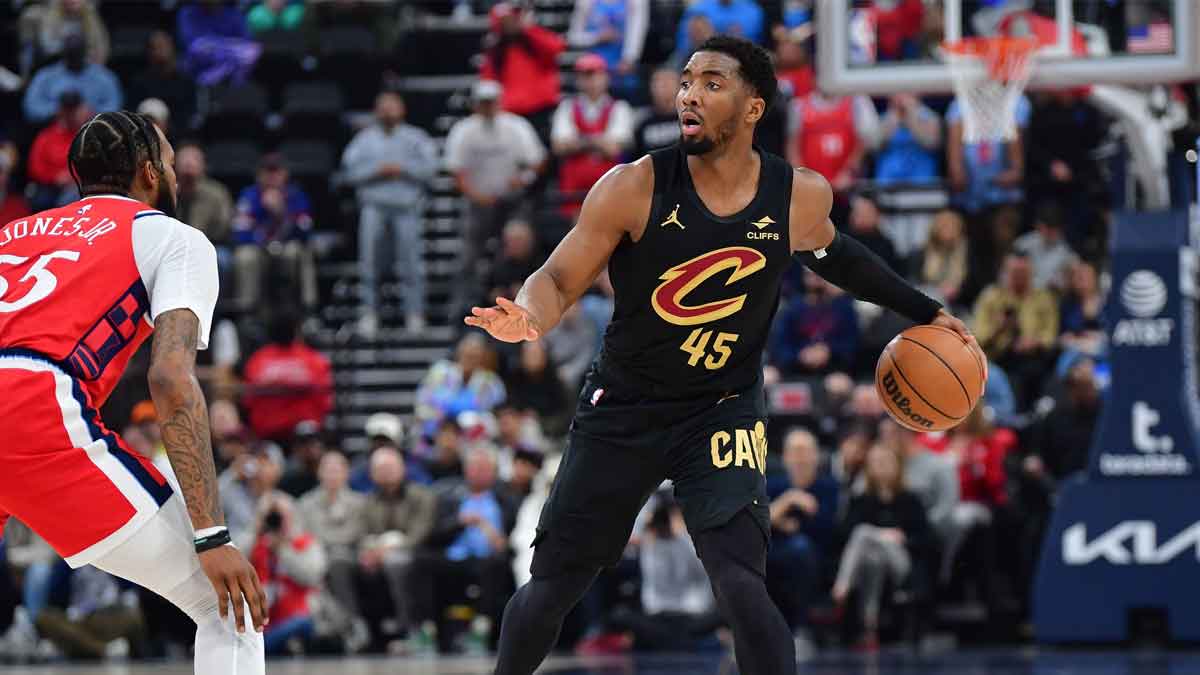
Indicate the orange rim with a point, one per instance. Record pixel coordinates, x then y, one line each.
1003 54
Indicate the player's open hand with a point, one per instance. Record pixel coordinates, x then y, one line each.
234 579
506 321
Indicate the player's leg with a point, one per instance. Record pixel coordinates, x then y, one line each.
735 557
586 523
161 557
717 467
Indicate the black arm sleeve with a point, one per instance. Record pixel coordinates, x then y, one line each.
858 271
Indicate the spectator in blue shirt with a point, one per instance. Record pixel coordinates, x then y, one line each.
817 330
910 140
210 18
988 173
616 31
473 523
804 505
100 89
273 218
743 18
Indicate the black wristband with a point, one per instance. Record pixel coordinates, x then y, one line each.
853 267
213 541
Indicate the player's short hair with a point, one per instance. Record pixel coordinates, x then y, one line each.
108 150
754 63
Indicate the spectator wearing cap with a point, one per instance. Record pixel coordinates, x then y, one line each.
659 127
96 85
157 111
494 156
523 57
286 382
616 31
386 430
591 131
273 221
53 184
162 78
743 18
390 163
304 457
12 203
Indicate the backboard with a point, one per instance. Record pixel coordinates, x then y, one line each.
888 46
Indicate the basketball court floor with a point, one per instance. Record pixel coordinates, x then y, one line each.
996 662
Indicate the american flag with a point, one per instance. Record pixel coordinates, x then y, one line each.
1155 38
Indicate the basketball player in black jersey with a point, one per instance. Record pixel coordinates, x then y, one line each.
697 238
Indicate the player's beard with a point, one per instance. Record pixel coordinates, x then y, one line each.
165 199
705 144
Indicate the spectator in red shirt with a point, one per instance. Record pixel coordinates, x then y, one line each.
12 204
48 156
290 564
793 61
523 57
286 383
898 23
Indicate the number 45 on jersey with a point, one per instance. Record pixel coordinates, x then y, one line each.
696 345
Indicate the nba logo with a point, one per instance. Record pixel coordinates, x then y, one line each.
596 395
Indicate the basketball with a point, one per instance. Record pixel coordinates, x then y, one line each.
929 379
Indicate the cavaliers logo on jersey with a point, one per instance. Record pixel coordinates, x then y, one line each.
670 297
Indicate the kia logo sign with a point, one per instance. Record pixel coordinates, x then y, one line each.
1144 294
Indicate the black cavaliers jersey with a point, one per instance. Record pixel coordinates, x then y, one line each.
695 295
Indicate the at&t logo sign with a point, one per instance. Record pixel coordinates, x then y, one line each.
1143 295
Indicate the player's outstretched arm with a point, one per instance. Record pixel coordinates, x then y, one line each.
845 262
183 419
618 204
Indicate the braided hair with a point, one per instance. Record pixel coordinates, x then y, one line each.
108 151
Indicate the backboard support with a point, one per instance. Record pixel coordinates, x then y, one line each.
846 67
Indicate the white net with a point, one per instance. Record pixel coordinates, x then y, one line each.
989 76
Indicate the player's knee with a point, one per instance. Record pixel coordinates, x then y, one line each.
196 598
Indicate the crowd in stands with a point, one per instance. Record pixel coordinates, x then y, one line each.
414 545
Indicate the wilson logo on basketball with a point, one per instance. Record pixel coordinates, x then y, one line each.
901 402
669 298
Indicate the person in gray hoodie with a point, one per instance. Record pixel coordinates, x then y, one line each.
390 163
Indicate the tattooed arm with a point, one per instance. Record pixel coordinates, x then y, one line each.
183 414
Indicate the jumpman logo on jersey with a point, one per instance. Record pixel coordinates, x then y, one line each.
673 218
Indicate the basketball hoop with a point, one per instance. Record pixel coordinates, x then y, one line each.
990 73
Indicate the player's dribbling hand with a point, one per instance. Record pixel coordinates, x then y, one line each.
506 321
233 577
947 320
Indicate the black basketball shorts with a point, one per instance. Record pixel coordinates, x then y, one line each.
622 446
